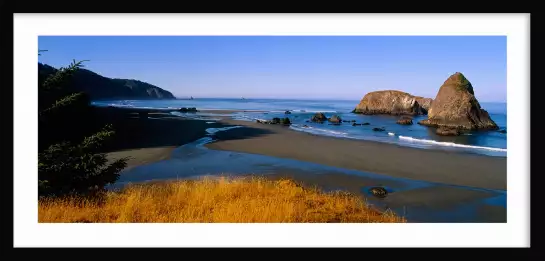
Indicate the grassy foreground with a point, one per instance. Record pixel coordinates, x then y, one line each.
241 200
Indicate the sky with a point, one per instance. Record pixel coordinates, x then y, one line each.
299 67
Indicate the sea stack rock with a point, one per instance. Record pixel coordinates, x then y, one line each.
335 119
319 117
405 121
455 106
389 102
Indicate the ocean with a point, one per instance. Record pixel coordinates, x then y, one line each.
492 143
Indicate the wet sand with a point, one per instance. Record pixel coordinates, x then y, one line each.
424 185
388 159
148 139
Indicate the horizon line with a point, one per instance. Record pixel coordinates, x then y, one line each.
292 98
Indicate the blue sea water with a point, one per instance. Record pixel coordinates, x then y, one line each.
491 143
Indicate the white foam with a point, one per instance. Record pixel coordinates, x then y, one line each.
450 144
391 133
212 131
193 116
318 131
214 114
210 122
305 111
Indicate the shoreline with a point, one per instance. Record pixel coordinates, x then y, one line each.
437 148
432 165
394 160
424 185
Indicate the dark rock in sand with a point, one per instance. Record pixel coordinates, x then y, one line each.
455 106
287 112
405 121
356 124
389 102
353 121
446 131
319 117
188 110
285 121
379 192
305 126
379 129
366 123
335 119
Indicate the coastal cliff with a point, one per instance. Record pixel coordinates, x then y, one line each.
390 102
425 103
99 87
455 106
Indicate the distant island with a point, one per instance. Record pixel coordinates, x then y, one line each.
99 87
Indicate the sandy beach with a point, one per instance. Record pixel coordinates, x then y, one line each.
149 140
420 164
429 183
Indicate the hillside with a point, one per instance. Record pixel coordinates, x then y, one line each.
100 88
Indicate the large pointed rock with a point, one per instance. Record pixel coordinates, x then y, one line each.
455 106
389 102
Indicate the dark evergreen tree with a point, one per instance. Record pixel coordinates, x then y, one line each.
70 161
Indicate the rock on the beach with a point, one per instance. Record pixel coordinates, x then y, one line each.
356 124
455 106
319 117
405 121
389 102
366 123
276 120
379 192
188 110
287 112
335 119
379 129
285 121
446 131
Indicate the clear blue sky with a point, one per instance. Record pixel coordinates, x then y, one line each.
325 67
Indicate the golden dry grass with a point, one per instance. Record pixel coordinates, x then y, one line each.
241 200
